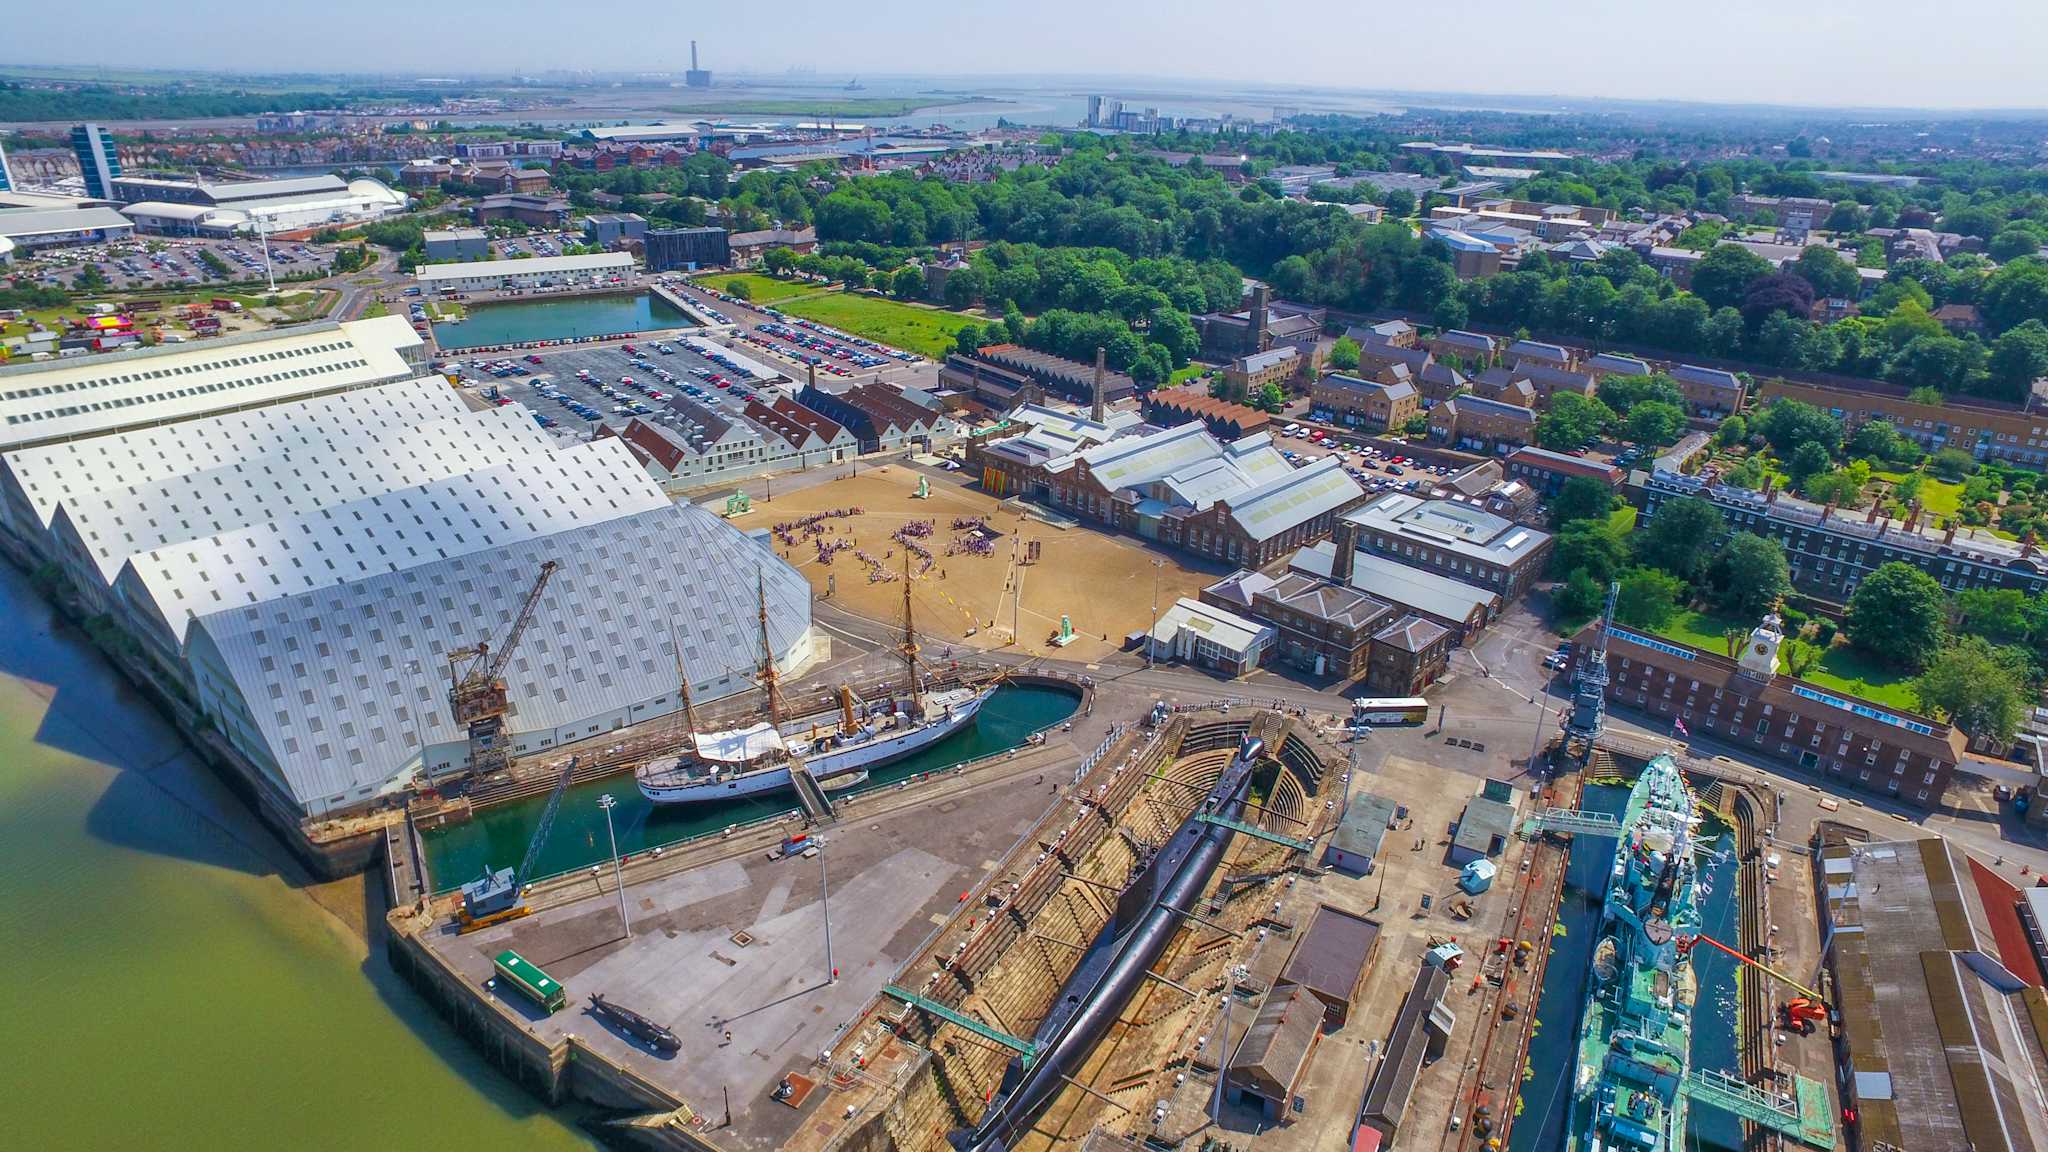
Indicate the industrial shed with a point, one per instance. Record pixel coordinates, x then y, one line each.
1274 1054
1421 1030
1331 959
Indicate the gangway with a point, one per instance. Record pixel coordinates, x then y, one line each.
1254 830
1573 821
1028 1049
1805 1117
816 805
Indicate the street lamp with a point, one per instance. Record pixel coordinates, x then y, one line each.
1154 620
618 873
825 898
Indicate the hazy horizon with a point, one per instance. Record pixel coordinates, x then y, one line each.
1830 54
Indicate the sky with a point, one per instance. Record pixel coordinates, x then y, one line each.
1870 53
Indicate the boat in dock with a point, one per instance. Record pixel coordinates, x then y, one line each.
1635 1043
837 748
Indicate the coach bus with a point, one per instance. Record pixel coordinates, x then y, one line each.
527 977
1389 710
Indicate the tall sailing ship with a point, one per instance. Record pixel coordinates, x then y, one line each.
838 747
1636 1040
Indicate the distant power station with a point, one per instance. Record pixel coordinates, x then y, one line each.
696 77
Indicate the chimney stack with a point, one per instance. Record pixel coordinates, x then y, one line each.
1949 537
1872 518
693 56
1913 517
1340 564
810 377
2026 545
1260 295
1826 511
1096 413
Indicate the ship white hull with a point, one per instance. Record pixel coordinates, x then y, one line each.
826 766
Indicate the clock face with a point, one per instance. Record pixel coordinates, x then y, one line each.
1762 648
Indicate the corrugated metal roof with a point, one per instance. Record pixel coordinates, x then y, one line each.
1290 501
535 491
365 459
37 221
536 266
75 469
1332 955
1401 584
64 399
348 683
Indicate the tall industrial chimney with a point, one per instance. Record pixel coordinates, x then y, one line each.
693 55
1260 294
1096 413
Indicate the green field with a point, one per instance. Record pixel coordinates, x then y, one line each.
1843 669
761 289
926 331
1937 496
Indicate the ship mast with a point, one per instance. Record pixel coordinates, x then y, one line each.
767 674
683 682
909 633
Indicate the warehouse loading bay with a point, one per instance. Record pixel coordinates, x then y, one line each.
728 946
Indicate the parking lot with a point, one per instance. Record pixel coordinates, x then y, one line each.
534 244
665 386
161 262
1378 469
797 343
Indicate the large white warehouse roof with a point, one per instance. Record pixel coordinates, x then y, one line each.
536 491
95 395
364 460
346 685
538 266
39 478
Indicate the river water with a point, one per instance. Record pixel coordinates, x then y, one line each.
497 837
514 321
175 983
1546 1099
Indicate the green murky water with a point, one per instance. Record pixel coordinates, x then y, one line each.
168 988
497 838
514 321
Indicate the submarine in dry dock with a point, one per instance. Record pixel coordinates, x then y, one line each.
1149 913
634 1024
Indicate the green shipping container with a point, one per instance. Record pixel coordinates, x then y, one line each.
538 986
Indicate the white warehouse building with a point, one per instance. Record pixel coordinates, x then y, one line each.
341 694
538 272
48 401
267 207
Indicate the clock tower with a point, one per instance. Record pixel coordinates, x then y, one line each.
1760 655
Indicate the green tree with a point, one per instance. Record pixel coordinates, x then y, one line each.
1681 538
1580 498
1416 425
907 283
1976 687
1648 597
1999 614
1733 430
2018 358
1829 274
1271 397
1808 460
1952 464
90 279
1749 575
1572 421
1724 275
1899 614
1344 354
778 261
1579 598
1786 424
1878 440
2014 242
739 288
1655 423
1591 547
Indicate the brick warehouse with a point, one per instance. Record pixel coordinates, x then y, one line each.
1747 703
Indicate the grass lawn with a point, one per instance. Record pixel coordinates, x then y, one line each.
1843 669
927 331
761 289
1622 520
1183 375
